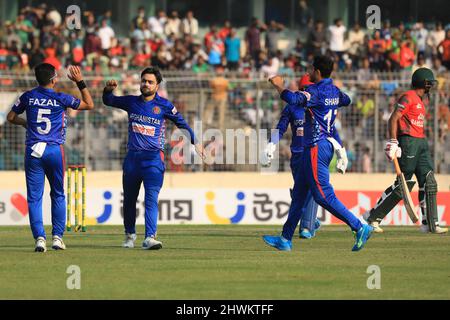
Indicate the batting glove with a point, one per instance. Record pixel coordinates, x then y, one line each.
268 154
392 150
342 160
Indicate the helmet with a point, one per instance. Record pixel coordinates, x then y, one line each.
423 78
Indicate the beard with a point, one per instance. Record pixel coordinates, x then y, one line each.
147 92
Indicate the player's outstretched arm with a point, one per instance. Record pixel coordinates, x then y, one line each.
14 118
299 98
86 100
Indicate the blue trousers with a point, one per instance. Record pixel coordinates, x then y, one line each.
309 216
52 166
313 177
138 167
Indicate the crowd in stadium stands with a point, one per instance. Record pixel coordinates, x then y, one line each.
172 42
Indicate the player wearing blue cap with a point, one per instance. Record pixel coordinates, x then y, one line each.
44 154
144 162
321 100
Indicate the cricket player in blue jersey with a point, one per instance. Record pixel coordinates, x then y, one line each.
295 116
144 161
321 100
44 154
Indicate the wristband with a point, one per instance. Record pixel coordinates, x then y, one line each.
81 85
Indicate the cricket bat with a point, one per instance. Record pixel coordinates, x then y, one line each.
407 200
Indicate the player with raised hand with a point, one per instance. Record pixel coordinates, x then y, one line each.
144 161
408 143
321 100
44 154
295 117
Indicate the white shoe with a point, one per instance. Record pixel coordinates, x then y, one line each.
439 230
40 245
151 243
376 227
130 238
58 243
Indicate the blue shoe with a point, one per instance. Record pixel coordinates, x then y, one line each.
306 234
317 225
362 236
277 242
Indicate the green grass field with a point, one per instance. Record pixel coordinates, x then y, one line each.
226 262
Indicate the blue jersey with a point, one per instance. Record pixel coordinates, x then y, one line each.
46 117
146 120
294 116
322 101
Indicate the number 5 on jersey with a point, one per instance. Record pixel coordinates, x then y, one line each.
41 118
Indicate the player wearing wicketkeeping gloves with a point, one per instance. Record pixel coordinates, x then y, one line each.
408 143
44 154
321 100
144 161
295 117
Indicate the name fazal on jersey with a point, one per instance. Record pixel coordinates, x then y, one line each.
43 102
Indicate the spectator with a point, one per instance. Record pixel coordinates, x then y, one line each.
435 37
365 76
209 36
437 67
54 17
377 49
106 34
232 50
445 46
366 161
140 36
197 52
421 63
386 31
317 39
421 35
337 34
355 42
141 17
407 55
366 106
157 24
190 24
107 16
4 53
219 97
305 16
225 31
216 51
173 25
252 37
270 67
272 36
200 66
51 58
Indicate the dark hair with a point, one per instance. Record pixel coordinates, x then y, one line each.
324 64
155 71
44 73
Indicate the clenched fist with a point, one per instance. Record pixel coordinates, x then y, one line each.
111 85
